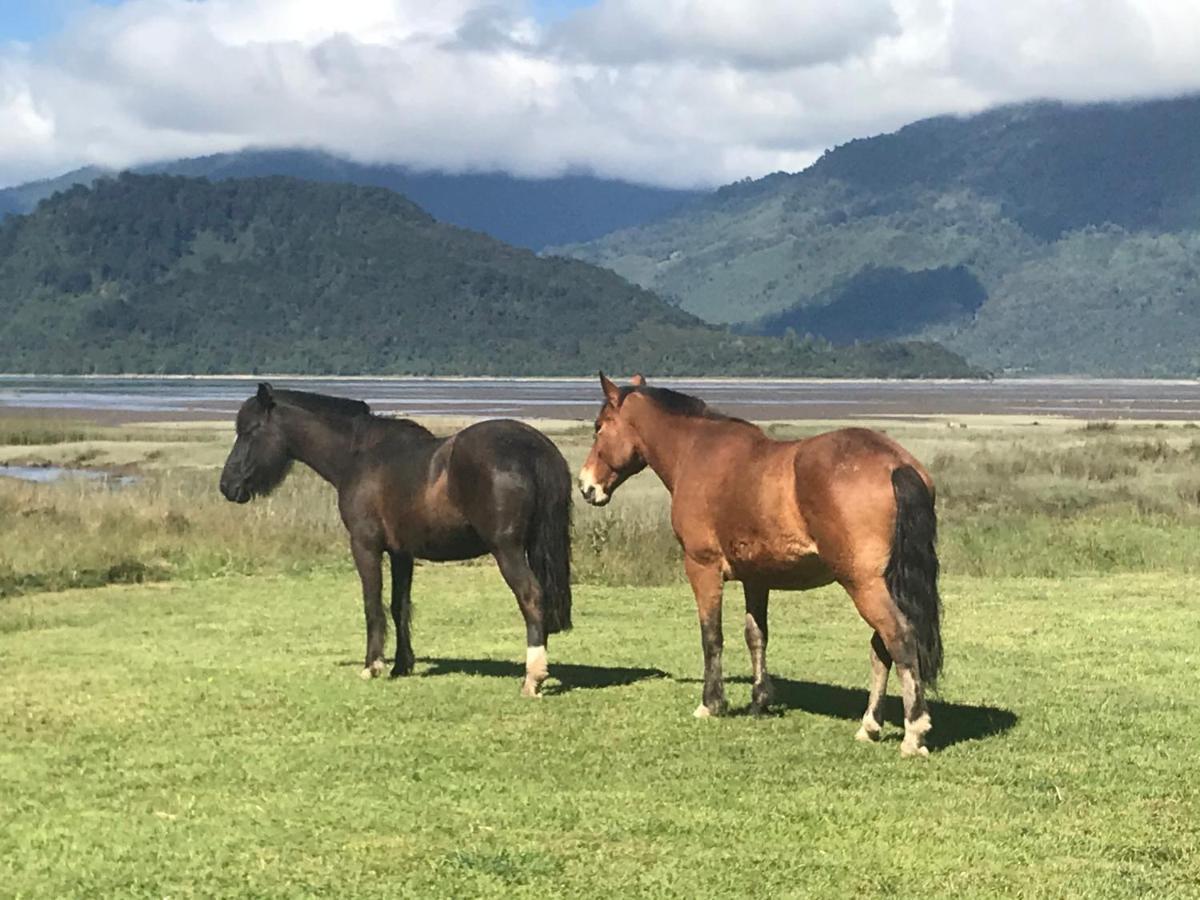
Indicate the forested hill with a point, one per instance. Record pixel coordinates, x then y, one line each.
1036 238
172 274
526 212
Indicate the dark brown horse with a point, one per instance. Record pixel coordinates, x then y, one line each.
850 506
497 487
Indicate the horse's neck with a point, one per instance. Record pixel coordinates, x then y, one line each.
665 439
325 446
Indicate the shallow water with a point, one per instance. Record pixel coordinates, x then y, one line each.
578 398
49 474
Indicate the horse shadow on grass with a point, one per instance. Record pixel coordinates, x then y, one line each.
564 676
953 723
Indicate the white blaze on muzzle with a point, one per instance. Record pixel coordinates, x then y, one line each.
591 489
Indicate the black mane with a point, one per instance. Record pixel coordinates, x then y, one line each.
322 404
366 425
678 404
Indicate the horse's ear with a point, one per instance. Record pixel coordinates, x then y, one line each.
266 395
612 393
638 380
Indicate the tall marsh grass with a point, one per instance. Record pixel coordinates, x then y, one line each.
1068 500
170 525
29 432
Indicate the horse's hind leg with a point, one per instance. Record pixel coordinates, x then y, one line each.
369 563
875 605
881 666
514 566
756 643
402 573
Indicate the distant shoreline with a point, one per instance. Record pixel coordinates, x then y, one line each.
708 379
154 398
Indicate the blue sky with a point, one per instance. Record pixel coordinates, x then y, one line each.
556 9
23 20
29 20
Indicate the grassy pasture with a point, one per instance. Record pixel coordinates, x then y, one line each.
213 738
197 726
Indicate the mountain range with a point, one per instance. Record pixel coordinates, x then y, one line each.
1035 239
160 273
1040 238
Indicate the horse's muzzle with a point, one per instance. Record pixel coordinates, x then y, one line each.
235 493
593 495
593 491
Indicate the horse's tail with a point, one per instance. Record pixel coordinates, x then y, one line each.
912 571
549 547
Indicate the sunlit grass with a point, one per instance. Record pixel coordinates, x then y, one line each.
207 734
212 738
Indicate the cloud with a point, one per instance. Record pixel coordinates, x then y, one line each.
672 92
765 34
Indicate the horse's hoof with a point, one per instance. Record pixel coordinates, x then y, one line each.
866 736
398 672
759 709
531 690
914 736
908 750
702 712
762 695
374 670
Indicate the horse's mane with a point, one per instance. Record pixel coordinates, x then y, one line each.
678 404
366 425
322 404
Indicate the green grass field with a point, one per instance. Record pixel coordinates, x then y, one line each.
213 738
187 719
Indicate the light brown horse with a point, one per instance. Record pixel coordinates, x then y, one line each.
850 506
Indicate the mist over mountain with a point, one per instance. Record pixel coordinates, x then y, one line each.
525 212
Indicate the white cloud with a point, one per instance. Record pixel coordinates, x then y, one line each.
1077 49
671 91
765 33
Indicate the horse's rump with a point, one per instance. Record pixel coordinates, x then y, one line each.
537 469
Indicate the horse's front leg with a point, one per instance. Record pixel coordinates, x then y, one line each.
707 585
369 561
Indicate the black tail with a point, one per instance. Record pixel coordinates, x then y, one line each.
549 547
912 571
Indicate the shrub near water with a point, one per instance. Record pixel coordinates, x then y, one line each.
1013 500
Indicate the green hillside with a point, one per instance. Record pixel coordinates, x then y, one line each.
171 274
1080 225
